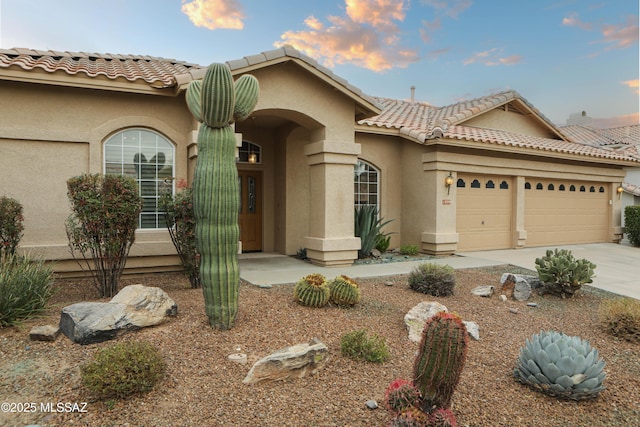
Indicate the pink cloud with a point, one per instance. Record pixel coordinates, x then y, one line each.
214 14
633 84
492 57
428 28
367 36
573 21
616 36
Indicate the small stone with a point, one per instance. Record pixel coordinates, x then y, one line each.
265 286
388 283
483 291
503 297
371 404
532 304
240 358
44 333
513 310
472 329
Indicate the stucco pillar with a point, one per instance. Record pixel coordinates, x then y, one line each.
439 236
331 240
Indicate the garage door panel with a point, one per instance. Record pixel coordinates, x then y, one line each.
555 217
483 212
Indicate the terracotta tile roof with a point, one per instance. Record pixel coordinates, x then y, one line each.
631 188
423 122
157 72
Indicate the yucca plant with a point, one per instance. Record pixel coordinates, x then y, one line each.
563 366
344 291
312 290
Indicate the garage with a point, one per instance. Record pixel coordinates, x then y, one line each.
565 212
484 212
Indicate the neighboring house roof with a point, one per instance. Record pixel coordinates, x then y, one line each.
631 188
424 122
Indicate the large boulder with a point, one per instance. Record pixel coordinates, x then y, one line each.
519 286
292 362
418 316
134 307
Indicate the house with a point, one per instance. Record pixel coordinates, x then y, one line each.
487 173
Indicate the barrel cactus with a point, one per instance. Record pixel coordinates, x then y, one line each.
441 357
216 102
566 367
400 395
312 290
344 291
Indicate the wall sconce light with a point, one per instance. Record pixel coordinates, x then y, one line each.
253 157
619 190
448 182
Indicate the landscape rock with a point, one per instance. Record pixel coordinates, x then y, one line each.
44 333
503 297
519 286
134 307
472 329
483 291
371 404
292 362
418 316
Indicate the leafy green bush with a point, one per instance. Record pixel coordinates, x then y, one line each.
123 369
562 274
409 250
25 288
632 224
433 279
11 226
103 225
383 242
368 226
181 224
621 318
358 345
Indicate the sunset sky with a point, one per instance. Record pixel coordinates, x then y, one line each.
563 56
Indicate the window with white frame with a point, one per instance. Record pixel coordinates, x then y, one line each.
366 183
147 157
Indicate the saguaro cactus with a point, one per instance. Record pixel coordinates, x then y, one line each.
440 359
217 102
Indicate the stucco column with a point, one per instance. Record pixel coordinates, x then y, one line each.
331 241
439 236
519 212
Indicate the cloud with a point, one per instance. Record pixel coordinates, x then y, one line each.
492 57
428 28
618 36
214 14
435 54
450 8
367 36
633 84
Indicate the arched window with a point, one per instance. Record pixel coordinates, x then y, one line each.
490 184
475 184
147 157
366 184
527 186
561 188
504 185
592 189
582 188
539 186
601 190
572 188
551 187
250 153
460 183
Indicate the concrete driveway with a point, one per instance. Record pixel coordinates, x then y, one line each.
618 265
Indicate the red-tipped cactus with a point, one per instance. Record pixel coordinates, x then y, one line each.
440 359
217 102
400 395
442 418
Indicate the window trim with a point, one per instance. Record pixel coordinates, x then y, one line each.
357 182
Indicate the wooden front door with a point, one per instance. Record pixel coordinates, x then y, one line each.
250 215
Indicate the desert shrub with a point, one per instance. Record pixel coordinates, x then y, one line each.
383 242
25 288
562 274
11 226
433 279
123 369
359 345
632 224
621 318
409 250
368 226
102 227
181 224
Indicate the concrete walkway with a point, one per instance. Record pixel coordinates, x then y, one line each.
618 266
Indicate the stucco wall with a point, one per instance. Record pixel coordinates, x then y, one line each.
49 134
511 121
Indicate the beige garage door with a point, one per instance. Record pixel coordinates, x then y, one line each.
565 212
484 211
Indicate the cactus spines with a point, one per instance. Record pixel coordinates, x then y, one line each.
344 291
215 186
441 356
400 395
312 290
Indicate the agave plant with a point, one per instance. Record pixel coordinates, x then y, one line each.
563 366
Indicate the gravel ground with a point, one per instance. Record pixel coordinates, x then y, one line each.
203 388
